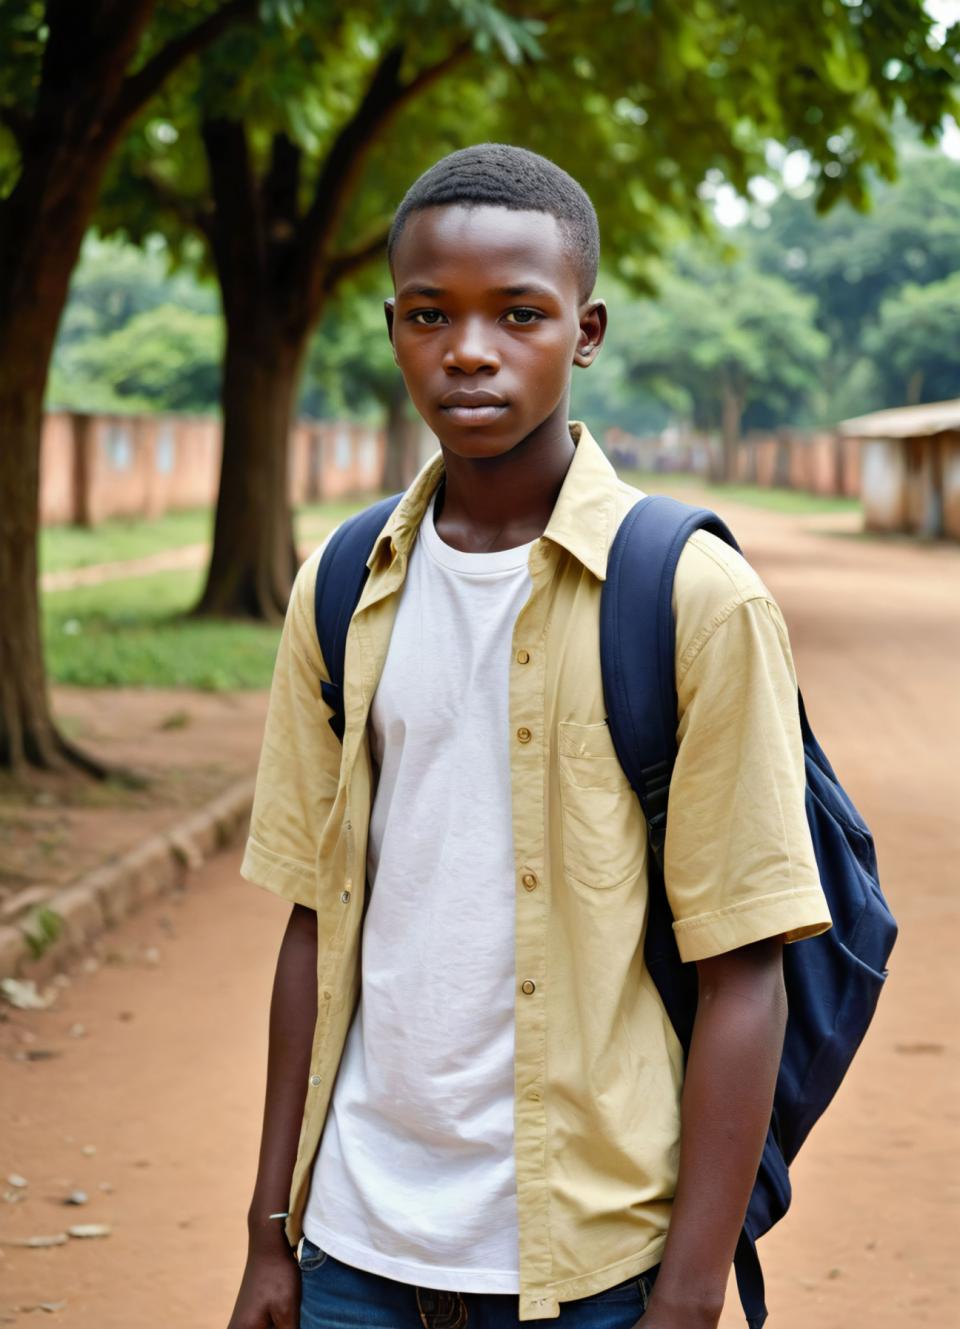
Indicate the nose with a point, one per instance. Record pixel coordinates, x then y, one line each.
469 349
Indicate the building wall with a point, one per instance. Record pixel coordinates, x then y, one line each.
883 478
818 461
57 469
97 466
913 484
951 485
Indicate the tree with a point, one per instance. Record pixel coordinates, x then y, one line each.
351 360
913 344
80 76
309 140
729 338
853 262
163 359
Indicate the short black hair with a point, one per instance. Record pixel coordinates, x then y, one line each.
500 175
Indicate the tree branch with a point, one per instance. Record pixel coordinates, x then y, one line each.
346 264
385 96
281 185
138 88
237 226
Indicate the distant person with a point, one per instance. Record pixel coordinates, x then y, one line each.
477 1113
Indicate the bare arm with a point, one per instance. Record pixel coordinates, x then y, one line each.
725 1112
269 1292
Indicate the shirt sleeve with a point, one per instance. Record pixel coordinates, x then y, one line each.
299 765
739 863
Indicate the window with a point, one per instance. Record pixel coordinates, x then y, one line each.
165 448
343 450
119 447
368 453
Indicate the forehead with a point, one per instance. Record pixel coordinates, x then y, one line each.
461 246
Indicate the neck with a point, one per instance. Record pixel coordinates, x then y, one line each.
491 503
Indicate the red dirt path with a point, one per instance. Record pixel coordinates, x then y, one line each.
167 1079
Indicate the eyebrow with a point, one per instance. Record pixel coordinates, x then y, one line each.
429 291
435 292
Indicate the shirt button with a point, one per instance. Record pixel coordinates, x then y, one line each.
527 987
529 881
524 734
344 896
314 1080
523 657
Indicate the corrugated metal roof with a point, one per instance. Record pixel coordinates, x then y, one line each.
905 421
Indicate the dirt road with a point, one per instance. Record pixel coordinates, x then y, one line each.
165 1080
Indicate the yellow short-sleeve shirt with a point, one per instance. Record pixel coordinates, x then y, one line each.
598 1070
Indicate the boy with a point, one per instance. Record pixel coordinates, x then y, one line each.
496 1126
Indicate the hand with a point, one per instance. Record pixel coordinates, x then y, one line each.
269 1296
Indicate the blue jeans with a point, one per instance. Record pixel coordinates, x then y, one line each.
337 1296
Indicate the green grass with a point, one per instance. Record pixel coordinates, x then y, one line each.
133 632
120 539
789 501
63 547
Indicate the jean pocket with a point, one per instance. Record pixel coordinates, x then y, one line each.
630 1290
311 1256
635 1290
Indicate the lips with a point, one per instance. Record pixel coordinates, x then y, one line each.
473 408
479 397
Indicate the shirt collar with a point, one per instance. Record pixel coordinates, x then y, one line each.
582 521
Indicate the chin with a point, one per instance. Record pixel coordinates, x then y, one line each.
472 444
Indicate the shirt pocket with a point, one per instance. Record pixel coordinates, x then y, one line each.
602 825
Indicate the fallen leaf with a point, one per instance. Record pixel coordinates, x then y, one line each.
77 1197
90 1230
175 720
57 1239
22 993
15 1179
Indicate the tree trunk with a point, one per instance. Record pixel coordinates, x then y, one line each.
41 239
84 101
397 442
254 558
730 425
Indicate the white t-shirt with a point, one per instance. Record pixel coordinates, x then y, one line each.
414 1177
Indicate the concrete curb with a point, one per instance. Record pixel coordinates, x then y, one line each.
98 901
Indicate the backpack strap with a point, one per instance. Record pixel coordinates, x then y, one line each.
637 658
341 577
637 645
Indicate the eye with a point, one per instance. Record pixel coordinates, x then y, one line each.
427 318
521 317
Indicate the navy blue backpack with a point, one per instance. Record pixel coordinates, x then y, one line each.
833 981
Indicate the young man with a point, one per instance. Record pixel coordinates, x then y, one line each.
495 1125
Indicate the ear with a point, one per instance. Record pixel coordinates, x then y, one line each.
593 329
389 311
